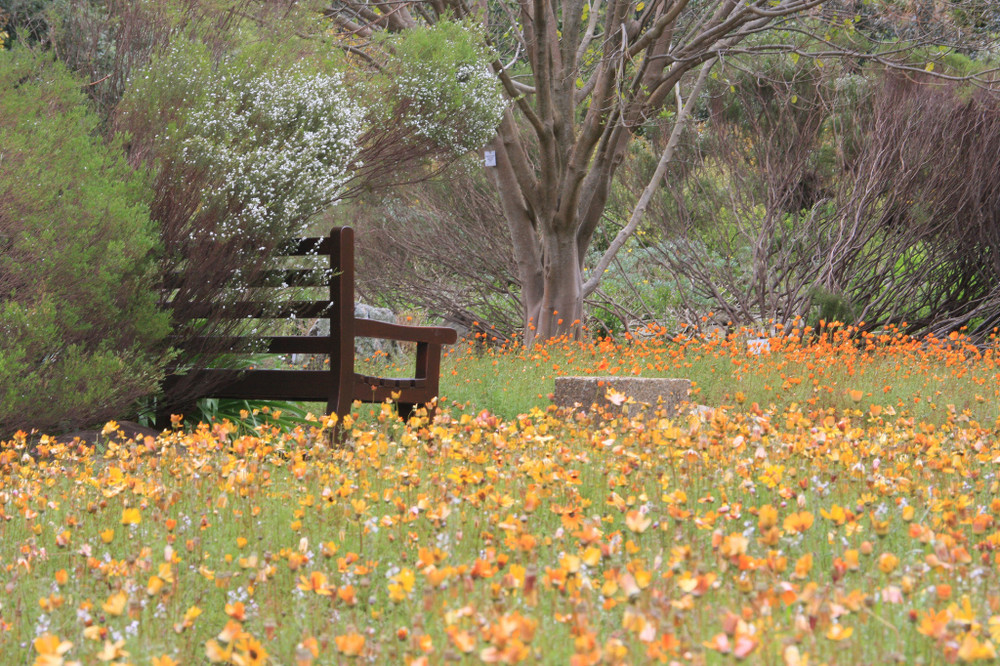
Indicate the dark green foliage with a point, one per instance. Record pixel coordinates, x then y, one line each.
829 306
81 330
26 20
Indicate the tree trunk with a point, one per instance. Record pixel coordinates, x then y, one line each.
559 311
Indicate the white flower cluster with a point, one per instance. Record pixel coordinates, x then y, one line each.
279 147
459 109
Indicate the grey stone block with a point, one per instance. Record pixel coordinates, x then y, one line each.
363 347
646 394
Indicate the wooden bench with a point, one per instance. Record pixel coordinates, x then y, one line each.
339 385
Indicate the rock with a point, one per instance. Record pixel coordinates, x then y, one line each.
636 393
363 347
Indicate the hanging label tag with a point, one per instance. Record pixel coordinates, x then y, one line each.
490 158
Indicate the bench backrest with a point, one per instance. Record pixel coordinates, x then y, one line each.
338 385
337 306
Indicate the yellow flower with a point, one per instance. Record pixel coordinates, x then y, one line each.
887 562
402 584
835 515
350 645
803 566
131 517
972 650
112 651
115 605
216 653
154 586
189 617
839 632
249 652
767 517
95 632
51 650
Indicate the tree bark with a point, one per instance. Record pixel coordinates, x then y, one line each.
560 311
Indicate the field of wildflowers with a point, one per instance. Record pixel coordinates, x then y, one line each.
837 504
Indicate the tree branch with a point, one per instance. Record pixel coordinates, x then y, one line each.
654 182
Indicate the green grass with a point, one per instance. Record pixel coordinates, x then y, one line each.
916 379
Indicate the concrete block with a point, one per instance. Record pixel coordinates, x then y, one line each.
647 393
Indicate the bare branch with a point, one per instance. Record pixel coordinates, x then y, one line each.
654 182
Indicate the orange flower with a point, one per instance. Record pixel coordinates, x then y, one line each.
462 639
934 623
306 651
803 566
347 595
637 522
237 611
316 582
798 522
231 631
351 644
217 653
165 660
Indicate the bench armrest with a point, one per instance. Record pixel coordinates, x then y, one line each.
371 328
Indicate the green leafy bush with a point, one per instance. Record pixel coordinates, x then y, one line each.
81 331
451 96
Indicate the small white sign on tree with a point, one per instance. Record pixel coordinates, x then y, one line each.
490 158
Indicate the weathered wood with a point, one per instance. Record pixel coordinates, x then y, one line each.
251 310
281 344
273 278
371 328
338 385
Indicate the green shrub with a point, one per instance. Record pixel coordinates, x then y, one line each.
451 97
81 330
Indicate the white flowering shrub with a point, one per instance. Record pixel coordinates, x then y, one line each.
283 145
447 92
271 147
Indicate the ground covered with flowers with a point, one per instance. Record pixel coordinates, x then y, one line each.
791 533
